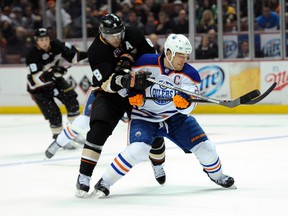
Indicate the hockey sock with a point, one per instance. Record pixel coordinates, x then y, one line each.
157 152
66 136
208 158
80 125
122 164
89 158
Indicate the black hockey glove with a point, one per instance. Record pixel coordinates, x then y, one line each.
125 62
128 79
58 71
137 80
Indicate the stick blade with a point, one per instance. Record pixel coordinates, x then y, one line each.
249 96
241 100
264 95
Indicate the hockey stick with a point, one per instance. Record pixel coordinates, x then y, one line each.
250 102
71 65
262 96
170 99
227 103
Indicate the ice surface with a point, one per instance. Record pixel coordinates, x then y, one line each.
253 149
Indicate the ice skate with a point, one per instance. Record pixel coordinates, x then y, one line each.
224 181
80 140
69 146
101 189
52 149
82 186
159 174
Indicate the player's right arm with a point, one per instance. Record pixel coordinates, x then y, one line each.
101 62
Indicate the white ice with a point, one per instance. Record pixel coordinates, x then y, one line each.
253 149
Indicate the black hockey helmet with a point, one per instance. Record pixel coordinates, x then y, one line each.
111 24
41 32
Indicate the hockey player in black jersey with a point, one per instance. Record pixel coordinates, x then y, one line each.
45 78
115 48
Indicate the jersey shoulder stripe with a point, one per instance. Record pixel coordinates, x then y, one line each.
191 72
147 59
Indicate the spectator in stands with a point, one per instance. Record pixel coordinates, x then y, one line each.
244 50
73 7
33 21
202 6
125 8
154 39
229 17
203 51
92 23
139 9
2 42
134 20
243 16
177 7
17 16
207 22
50 19
181 23
152 6
269 20
213 44
165 25
151 24
7 25
8 31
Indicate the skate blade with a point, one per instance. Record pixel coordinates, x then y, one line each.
69 146
232 187
81 194
97 194
46 158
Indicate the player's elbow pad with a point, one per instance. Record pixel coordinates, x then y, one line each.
111 85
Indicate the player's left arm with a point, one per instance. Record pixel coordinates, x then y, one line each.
143 45
70 52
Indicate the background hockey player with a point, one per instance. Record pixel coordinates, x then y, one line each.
115 44
45 78
77 130
152 118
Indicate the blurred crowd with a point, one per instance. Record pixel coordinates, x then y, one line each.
20 18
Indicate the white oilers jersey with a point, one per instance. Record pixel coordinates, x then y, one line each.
160 110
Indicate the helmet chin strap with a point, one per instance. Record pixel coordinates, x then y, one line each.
170 61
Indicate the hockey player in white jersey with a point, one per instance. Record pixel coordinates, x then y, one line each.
76 131
165 118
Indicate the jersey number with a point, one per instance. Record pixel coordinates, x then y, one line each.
97 74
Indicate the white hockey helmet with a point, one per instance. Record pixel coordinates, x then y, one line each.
177 43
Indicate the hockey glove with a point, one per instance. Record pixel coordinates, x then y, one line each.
58 71
181 100
137 80
136 98
125 62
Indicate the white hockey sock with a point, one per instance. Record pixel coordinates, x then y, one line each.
79 126
209 159
133 154
66 136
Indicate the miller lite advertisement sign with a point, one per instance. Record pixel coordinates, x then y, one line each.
275 72
271 45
